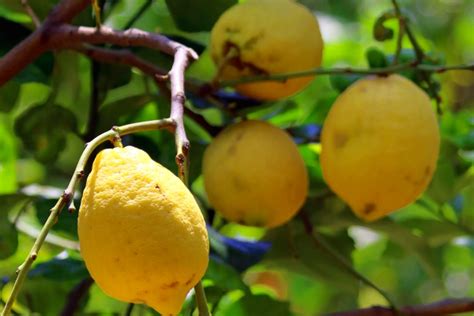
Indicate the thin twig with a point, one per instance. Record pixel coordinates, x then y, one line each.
128 311
75 296
445 307
69 192
420 55
34 18
321 243
346 71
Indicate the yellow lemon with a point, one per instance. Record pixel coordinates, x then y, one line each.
254 174
267 37
380 143
142 235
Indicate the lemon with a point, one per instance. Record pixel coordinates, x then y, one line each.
142 235
380 144
254 175
267 37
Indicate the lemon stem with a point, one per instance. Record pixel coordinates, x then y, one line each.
423 68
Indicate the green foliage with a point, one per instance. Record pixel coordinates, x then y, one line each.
423 252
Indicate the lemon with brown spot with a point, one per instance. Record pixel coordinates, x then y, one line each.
380 144
142 235
254 174
267 37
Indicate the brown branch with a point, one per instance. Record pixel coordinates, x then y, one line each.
181 60
34 45
445 307
65 35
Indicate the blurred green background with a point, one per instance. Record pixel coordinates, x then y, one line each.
423 253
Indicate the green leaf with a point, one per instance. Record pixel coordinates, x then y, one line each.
66 225
60 269
13 15
9 235
110 113
376 58
8 95
224 276
380 32
8 183
342 82
43 129
253 305
296 251
112 76
197 15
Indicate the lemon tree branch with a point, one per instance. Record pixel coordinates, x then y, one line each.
444 307
68 195
183 56
346 71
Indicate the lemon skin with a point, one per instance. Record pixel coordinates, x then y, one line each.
270 37
142 235
254 174
380 144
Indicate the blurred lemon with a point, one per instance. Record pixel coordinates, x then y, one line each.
267 37
254 174
380 144
142 235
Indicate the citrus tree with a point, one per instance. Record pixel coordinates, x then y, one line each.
258 157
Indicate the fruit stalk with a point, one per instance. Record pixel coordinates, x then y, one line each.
346 71
68 195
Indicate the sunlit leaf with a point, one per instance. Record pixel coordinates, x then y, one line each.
42 129
198 15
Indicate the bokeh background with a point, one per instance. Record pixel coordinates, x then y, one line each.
420 254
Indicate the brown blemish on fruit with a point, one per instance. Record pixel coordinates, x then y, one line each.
157 187
232 30
233 148
237 62
190 279
170 285
340 139
427 171
369 208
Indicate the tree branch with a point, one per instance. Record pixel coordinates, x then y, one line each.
65 35
445 307
176 75
34 45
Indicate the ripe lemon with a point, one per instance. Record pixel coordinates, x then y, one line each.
254 175
142 235
267 37
380 143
